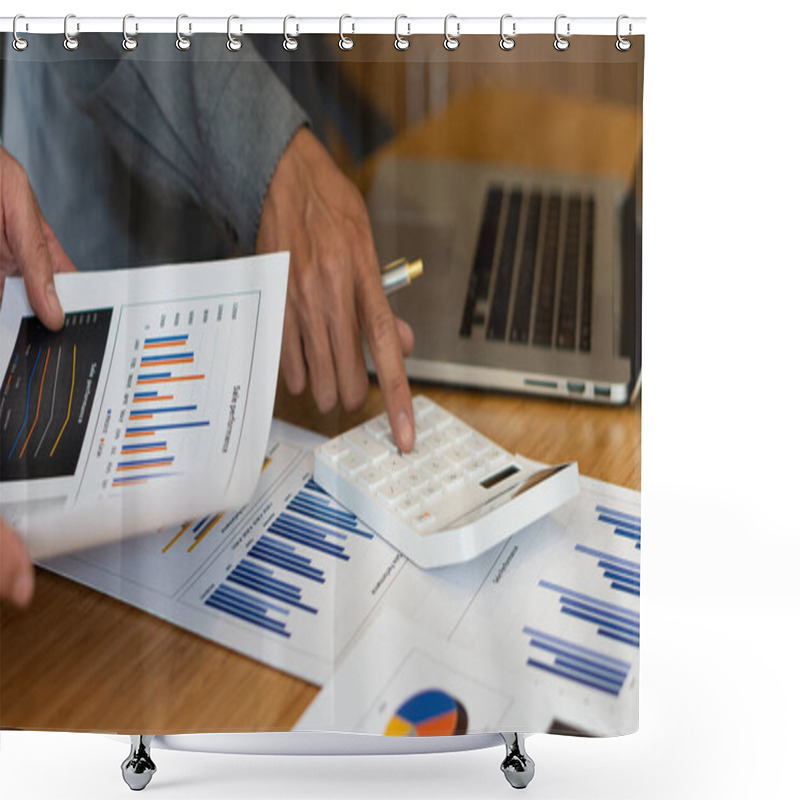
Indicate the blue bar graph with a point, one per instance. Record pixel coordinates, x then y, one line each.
629 526
263 580
272 551
166 357
314 502
247 608
610 621
167 427
133 448
577 663
287 561
316 521
173 409
624 575
177 338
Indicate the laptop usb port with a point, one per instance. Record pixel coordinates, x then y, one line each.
602 391
576 387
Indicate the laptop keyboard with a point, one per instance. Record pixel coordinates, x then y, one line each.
535 255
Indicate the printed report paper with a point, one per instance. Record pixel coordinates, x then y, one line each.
153 402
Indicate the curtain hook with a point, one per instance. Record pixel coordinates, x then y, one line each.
129 42
70 42
345 42
233 44
623 44
400 42
561 43
507 42
19 43
289 43
181 42
451 42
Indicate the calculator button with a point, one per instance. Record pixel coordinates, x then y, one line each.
395 465
336 449
367 444
437 417
422 406
408 504
477 444
414 478
437 465
476 467
494 456
391 492
455 432
436 441
378 427
353 463
424 521
372 477
458 454
452 480
430 491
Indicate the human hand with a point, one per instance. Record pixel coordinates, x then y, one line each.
334 292
16 570
28 246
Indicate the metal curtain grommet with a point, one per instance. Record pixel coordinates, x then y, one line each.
451 42
181 42
345 42
507 42
233 44
560 42
128 42
70 42
623 44
19 44
400 42
289 43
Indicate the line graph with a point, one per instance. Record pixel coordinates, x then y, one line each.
48 393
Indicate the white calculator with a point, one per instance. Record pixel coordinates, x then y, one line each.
453 497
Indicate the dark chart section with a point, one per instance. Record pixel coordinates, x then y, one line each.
47 395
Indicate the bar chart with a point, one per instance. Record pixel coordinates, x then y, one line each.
179 373
609 621
156 409
289 562
576 663
622 574
627 526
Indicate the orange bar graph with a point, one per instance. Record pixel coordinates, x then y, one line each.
171 380
177 536
153 399
205 531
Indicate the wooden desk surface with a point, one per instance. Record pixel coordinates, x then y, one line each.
78 660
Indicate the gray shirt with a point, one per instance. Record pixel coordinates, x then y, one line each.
148 156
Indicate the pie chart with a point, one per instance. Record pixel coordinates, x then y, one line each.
428 713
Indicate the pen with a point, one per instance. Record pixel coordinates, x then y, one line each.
400 273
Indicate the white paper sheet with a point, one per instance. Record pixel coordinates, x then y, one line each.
289 579
154 401
417 684
550 619
294 581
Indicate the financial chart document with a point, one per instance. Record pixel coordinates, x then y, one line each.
156 394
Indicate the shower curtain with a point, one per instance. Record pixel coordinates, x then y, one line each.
163 154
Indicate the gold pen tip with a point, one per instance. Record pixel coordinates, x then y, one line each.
414 269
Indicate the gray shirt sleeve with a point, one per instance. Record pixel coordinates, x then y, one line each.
204 124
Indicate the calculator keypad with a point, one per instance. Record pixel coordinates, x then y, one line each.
431 486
